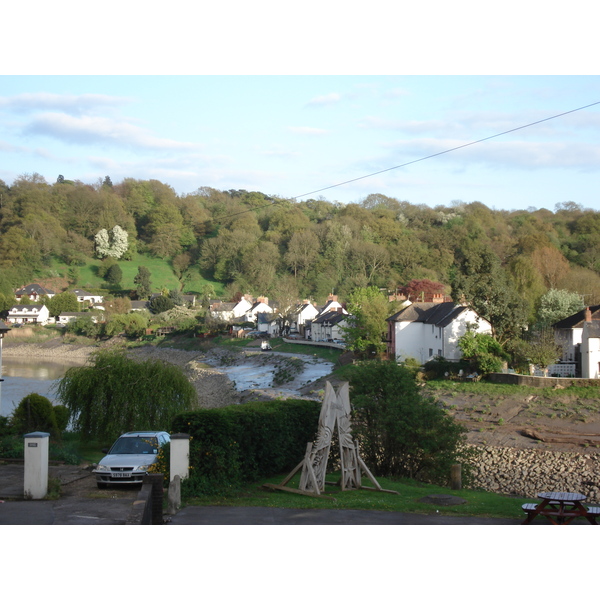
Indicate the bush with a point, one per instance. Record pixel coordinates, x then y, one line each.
242 443
35 413
401 432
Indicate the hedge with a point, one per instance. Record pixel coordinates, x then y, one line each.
241 443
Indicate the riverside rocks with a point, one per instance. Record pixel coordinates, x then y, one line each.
526 473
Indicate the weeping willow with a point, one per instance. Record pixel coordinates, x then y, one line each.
115 394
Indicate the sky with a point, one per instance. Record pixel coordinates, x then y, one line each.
300 136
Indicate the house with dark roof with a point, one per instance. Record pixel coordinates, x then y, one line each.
590 347
329 325
424 330
34 292
569 335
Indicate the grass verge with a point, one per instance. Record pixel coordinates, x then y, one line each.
478 503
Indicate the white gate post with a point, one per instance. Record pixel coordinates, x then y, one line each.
36 465
180 455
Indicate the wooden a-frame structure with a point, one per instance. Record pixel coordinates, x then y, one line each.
335 413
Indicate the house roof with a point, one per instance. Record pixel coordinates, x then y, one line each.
576 321
34 288
332 317
22 307
439 314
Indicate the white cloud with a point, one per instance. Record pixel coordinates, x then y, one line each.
94 130
495 153
64 102
325 100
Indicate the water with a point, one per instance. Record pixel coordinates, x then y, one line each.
22 376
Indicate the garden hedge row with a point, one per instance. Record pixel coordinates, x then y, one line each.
242 443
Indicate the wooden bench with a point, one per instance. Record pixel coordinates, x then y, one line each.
593 512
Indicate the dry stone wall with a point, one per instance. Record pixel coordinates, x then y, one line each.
526 473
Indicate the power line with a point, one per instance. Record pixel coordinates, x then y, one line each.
412 162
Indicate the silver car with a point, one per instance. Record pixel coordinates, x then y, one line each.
130 457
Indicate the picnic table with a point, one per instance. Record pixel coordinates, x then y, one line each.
560 508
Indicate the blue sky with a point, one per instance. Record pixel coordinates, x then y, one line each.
230 117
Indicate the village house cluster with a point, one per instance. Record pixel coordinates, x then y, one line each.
421 330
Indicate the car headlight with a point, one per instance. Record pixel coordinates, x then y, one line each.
143 468
102 468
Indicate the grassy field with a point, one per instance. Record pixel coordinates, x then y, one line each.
478 503
162 275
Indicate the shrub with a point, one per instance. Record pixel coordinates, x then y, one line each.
242 443
34 413
401 432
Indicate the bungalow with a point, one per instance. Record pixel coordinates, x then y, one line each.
31 313
91 299
34 292
68 317
423 330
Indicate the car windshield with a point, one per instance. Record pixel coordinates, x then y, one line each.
135 445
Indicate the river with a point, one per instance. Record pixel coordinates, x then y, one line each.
22 376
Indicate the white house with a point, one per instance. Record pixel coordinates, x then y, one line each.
31 313
260 305
302 315
34 292
590 347
83 296
568 334
423 330
229 311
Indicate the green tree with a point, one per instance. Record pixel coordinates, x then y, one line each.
368 309
483 351
538 348
114 274
116 394
142 282
401 432
63 302
160 304
481 283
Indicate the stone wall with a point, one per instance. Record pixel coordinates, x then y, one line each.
531 381
526 473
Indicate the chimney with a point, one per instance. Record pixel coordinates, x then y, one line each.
332 298
588 315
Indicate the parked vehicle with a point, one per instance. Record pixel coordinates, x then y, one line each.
130 457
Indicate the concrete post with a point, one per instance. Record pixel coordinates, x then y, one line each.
180 455
455 477
36 465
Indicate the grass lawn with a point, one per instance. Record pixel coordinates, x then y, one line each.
479 503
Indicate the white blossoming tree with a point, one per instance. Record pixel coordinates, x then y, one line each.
113 243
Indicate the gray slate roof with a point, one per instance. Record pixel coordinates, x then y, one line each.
439 314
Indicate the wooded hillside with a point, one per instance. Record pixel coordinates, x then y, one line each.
256 244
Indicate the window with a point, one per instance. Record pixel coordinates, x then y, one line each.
430 352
